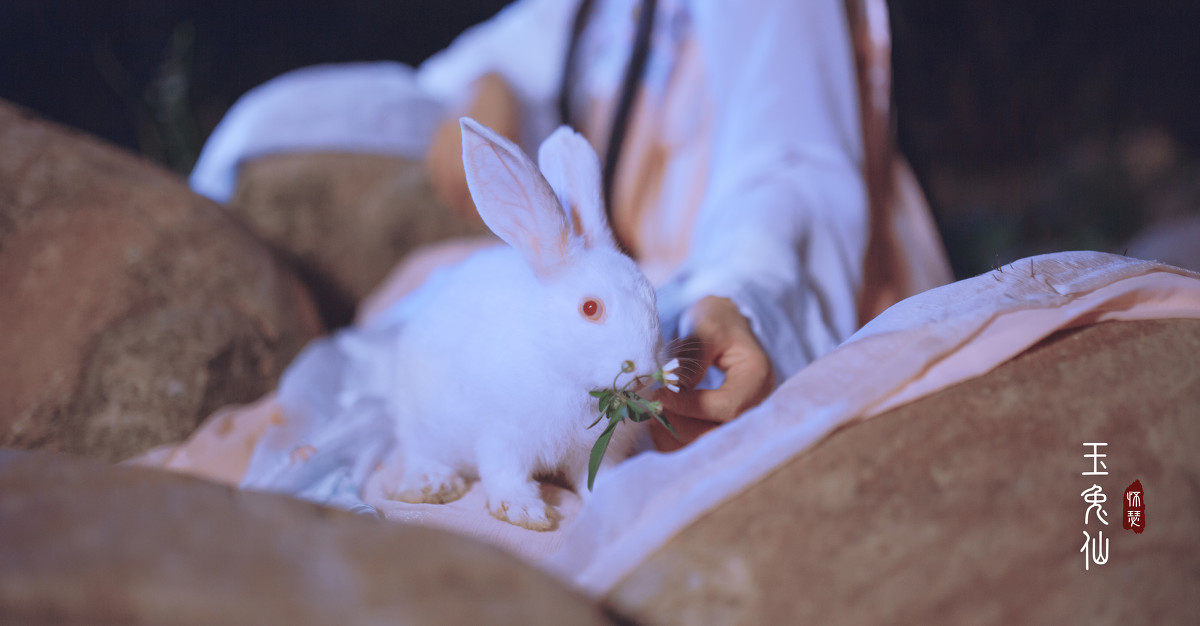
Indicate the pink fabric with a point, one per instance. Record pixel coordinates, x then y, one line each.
925 343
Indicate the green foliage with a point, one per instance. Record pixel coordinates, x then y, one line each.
619 404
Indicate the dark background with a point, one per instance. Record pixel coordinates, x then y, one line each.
1033 125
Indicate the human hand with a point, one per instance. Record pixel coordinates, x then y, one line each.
494 105
721 336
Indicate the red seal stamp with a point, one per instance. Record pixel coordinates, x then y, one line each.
1134 504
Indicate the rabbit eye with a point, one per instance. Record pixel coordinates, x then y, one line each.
592 309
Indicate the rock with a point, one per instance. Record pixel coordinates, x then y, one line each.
343 220
965 506
87 543
130 307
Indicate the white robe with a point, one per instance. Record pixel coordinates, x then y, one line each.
744 159
743 167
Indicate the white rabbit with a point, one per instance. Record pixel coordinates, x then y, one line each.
492 375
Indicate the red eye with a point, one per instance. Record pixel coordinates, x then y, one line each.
592 309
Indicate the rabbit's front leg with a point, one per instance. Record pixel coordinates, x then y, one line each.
513 495
427 481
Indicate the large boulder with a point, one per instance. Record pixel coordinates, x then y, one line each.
86 543
965 507
343 220
131 308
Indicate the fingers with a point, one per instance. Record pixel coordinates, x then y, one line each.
694 361
747 383
694 412
727 342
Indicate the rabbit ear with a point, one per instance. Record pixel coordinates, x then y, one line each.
572 168
513 198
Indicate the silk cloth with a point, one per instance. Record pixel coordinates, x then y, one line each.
334 448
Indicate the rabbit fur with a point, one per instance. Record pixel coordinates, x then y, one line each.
496 368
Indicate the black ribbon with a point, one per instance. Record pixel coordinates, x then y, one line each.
633 78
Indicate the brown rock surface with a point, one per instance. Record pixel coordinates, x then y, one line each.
965 507
343 220
86 543
130 307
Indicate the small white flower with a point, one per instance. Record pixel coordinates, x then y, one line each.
670 375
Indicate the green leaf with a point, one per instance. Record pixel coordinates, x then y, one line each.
621 404
598 451
645 410
641 404
662 419
605 402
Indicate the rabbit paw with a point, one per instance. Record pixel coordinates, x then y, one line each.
431 486
526 511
